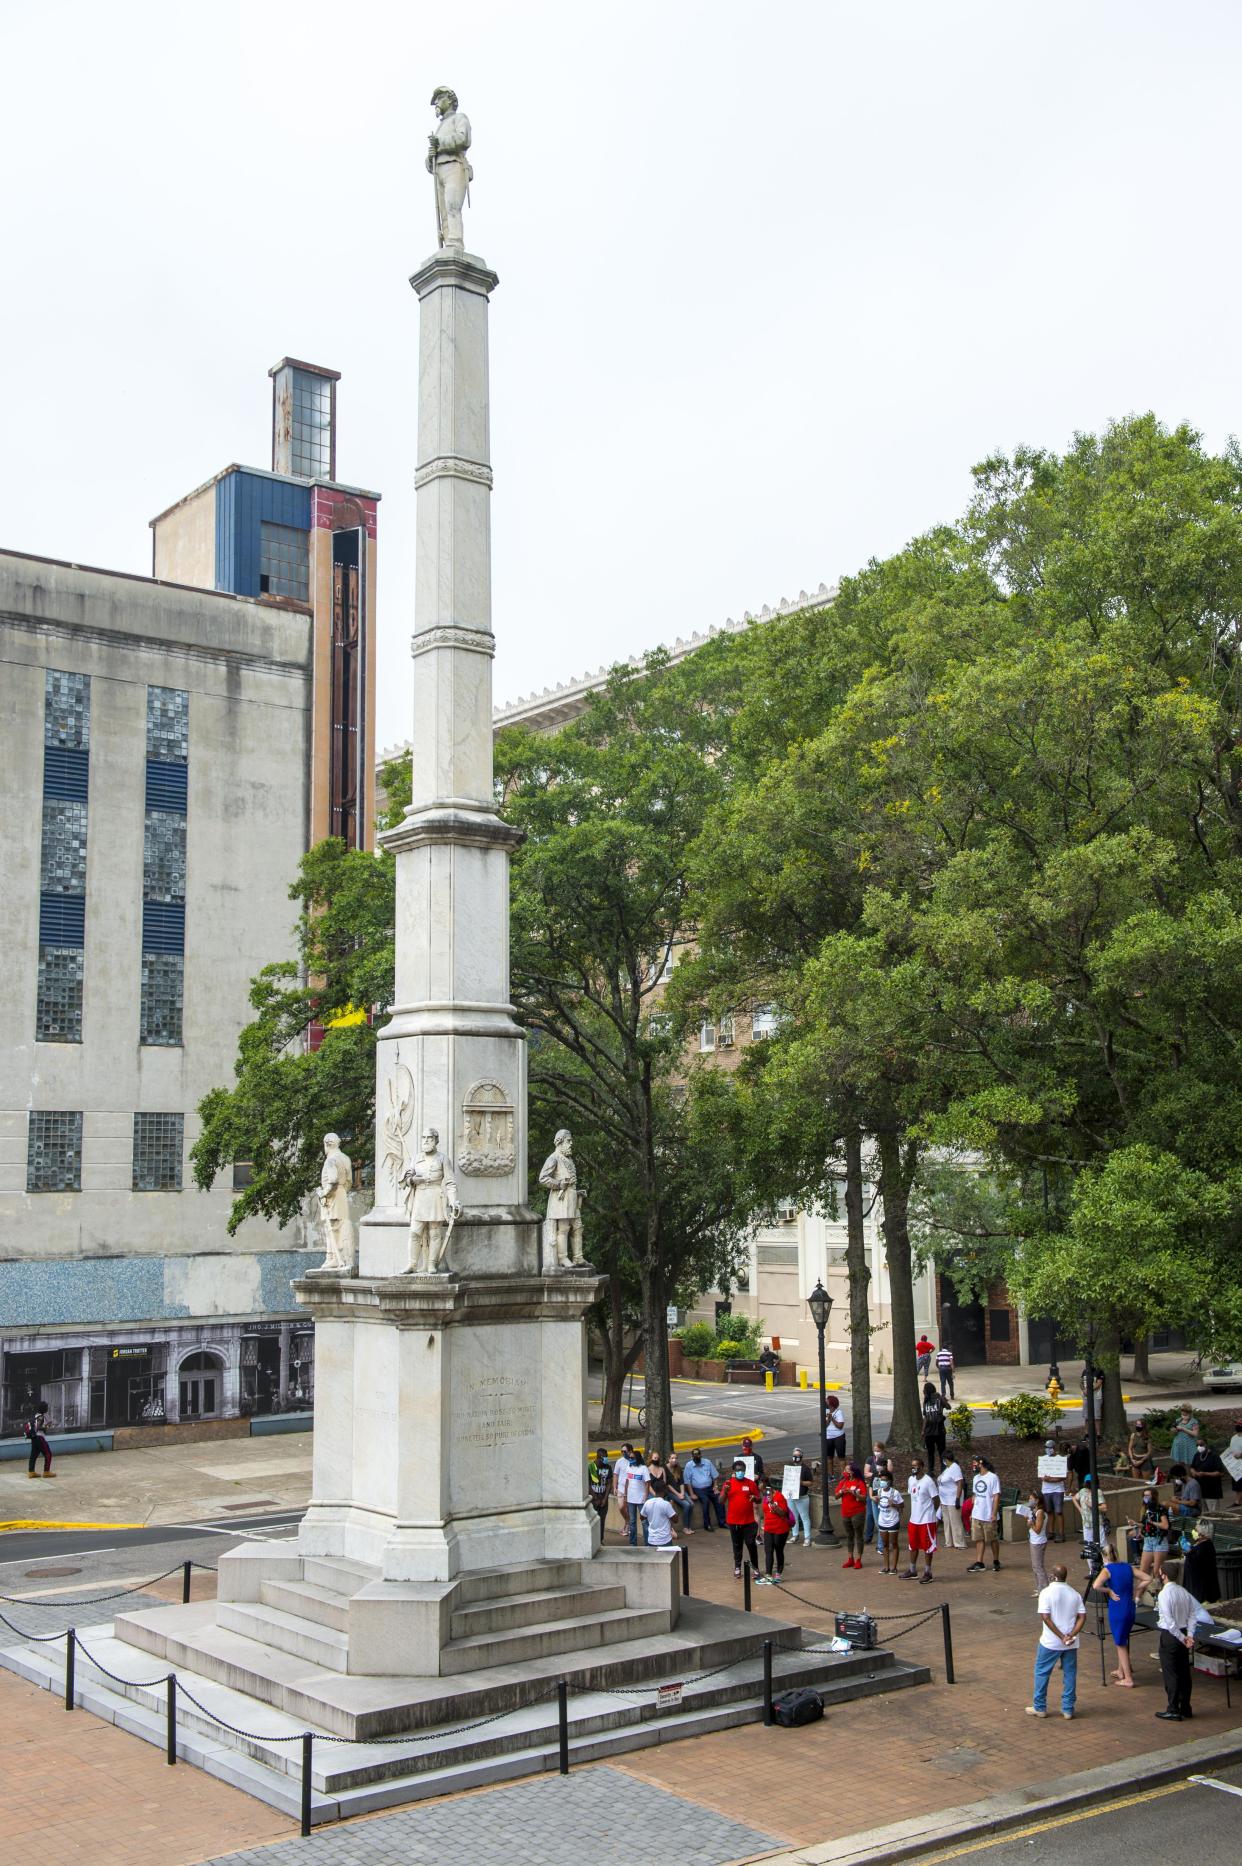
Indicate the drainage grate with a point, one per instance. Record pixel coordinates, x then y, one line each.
255 1503
40 1574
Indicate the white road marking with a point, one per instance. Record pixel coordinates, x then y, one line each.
1210 1781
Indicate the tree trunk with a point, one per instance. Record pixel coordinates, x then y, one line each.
1113 1427
1142 1364
617 1361
658 1392
860 1313
897 1163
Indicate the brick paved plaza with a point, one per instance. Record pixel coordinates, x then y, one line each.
74 1789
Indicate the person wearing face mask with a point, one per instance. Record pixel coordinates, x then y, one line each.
888 1502
1153 1529
741 1501
1207 1467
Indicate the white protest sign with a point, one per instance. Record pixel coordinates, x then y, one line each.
791 1482
1052 1467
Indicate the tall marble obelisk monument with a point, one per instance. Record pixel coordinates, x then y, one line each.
450 1387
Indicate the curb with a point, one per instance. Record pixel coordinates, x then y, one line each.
935 1831
25 1523
752 1432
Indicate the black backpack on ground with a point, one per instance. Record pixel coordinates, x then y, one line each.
793 1708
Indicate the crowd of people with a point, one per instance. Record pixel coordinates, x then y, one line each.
943 1506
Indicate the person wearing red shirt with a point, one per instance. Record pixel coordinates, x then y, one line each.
741 1499
778 1520
923 1351
852 1491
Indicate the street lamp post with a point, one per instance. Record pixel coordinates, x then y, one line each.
819 1302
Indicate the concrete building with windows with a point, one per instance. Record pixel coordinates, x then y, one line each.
171 746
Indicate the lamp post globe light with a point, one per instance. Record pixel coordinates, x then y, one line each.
819 1302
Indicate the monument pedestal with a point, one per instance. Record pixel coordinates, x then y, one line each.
450 1417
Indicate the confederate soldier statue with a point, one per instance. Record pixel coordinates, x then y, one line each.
563 1229
335 1183
435 1209
448 167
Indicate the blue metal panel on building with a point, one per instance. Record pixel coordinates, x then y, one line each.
163 926
243 501
72 1292
62 920
166 786
65 772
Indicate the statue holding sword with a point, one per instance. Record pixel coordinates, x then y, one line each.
435 1208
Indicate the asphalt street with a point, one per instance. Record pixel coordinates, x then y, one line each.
1199 1818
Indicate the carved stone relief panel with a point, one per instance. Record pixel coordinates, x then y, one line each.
487 1149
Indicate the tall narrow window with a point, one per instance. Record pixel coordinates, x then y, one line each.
158 1140
62 869
311 453
53 1151
164 870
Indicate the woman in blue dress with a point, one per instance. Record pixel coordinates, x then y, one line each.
1185 1438
1116 1580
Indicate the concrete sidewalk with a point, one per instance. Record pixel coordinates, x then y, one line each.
172 1483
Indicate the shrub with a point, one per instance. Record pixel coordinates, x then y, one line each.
698 1340
729 1351
961 1423
743 1332
1027 1415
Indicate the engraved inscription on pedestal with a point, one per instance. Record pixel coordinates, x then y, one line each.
495 1419
488 1146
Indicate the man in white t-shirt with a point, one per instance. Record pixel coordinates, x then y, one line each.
1061 1612
834 1433
637 1489
985 1497
658 1516
924 1519
949 1484
620 1471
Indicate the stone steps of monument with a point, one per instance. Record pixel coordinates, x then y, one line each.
478 1651
360 1707
356 1778
544 1605
309 1601
336 1574
287 1632
517 1578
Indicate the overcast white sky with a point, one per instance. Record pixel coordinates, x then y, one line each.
772 278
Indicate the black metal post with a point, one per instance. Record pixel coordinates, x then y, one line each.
185 1582
70 1659
827 1534
1093 1452
947 1630
767 1681
745 1585
562 1720
308 1739
171 1734
685 1570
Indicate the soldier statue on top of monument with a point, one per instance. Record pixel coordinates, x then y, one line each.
448 167
435 1208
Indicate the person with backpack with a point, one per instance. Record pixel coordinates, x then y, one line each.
933 1427
778 1520
33 1429
741 1500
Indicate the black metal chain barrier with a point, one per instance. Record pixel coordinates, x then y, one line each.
92 1600
138 1684
36 1639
